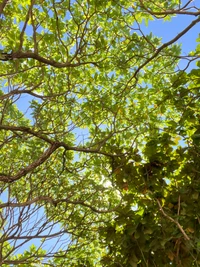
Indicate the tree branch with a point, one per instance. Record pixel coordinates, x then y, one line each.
180 11
55 64
26 130
194 22
61 144
32 166
55 202
2 6
174 221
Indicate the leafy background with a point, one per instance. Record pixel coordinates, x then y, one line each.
102 168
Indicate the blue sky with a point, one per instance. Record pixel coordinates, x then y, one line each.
169 29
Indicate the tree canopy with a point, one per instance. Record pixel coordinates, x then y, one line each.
99 135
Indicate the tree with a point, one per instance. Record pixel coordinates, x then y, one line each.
102 167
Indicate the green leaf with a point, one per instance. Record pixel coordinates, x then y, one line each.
99 134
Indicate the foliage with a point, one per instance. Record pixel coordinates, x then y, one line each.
99 135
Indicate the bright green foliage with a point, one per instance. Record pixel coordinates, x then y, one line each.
99 135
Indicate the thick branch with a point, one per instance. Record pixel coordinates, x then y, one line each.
22 91
26 130
21 55
2 5
61 144
32 166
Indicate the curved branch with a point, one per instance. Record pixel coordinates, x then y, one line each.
180 11
26 130
178 36
51 62
32 166
174 221
62 144
22 91
55 202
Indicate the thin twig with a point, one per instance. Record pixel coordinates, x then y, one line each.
179 204
174 221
